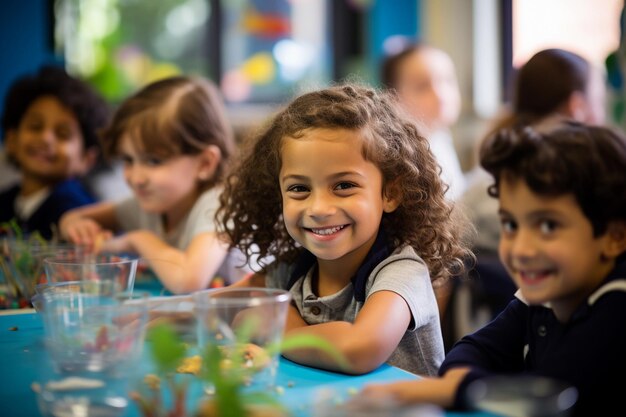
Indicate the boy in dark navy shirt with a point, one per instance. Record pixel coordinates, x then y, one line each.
50 126
561 189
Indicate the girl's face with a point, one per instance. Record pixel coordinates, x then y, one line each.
428 88
332 197
548 247
165 186
48 143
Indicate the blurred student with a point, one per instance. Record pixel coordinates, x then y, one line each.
341 193
49 125
552 82
175 143
9 173
425 80
562 211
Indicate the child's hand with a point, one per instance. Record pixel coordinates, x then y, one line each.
439 390
116 244
400 393
86 232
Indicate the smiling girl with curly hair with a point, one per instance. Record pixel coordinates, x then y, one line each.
340 201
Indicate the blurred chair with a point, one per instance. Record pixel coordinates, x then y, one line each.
476 298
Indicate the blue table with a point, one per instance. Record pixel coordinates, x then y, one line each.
22 353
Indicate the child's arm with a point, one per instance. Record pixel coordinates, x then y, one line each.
495 348
89 224
180 271
366 343
252 280
440 391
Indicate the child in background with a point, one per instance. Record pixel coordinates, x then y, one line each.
341 201
552 82
175 142
558 81
49 125
425 80
563 218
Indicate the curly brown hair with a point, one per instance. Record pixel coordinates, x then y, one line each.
251 204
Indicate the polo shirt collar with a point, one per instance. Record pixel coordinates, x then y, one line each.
379 251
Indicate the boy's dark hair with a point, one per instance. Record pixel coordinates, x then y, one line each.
174 116
90 109
567 157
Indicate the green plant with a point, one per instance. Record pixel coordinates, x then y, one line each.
220 367
19 264
168 352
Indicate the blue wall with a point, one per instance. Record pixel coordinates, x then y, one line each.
26 40
388 18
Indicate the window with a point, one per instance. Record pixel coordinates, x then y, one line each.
257 50
589 28
272 48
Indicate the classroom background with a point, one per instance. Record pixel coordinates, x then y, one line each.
262 52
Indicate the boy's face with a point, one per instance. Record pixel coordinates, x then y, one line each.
428 87
548 247
48 143
332 197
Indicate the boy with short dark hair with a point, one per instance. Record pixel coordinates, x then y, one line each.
562 200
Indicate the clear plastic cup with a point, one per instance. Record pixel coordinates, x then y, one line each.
97 288
523 395
94 342
22 265
177 311
246 325
120 269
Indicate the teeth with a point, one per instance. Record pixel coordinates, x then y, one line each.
532 275
328 231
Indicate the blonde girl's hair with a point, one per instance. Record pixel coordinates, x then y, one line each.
174 116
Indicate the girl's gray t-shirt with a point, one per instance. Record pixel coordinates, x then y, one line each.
200 219
421 349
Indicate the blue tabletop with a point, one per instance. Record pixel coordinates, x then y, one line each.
22 353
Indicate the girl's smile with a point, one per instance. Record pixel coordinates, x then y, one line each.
332 197
326 233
